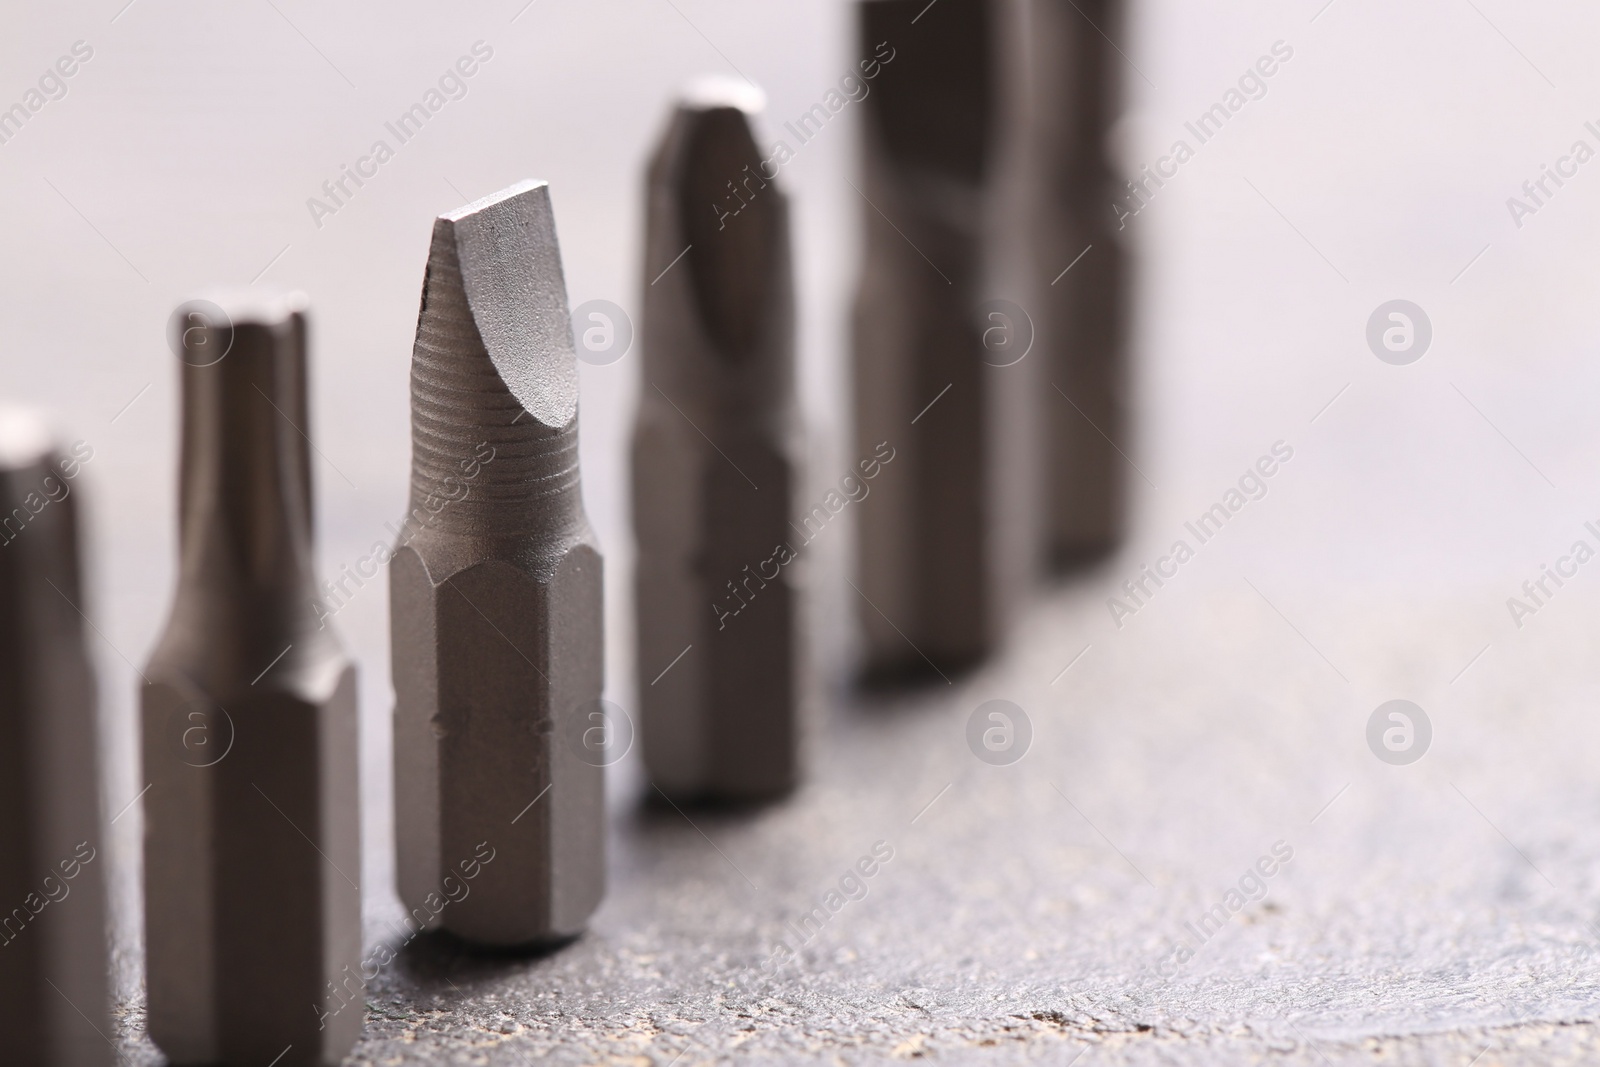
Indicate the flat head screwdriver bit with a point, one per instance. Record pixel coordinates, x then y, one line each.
252 831
53 967
495 594
714 465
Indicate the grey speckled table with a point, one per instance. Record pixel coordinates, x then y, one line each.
1034 912
1430 913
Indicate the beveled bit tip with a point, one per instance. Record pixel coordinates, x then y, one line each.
716 202
712 91
501 255
246 304
487 203
25 438
201 329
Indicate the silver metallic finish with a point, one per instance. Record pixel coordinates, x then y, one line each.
495 592
252 834
52 888
944 536
714 462
1083 319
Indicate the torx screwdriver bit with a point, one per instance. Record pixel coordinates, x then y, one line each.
53 967
252 829
495 593
714 463
942 542
1084 315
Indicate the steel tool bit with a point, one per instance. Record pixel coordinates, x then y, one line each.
1083 320
252 834
943 536
496 595
714 465
52 897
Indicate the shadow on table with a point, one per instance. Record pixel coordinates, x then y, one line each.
439 960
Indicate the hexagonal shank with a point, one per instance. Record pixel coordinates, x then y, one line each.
1083 321
252 832
929 533
496 592
52 899
713 463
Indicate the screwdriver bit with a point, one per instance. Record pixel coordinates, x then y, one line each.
1083 325
943 536
495 593
714 461
252 832
52 896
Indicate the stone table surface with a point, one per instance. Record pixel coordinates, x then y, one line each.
1035 912
1440 912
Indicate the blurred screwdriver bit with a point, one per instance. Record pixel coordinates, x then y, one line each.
1083 325
495 593
52 898
252 829
714 461
943 537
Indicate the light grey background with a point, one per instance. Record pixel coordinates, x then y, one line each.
1431 912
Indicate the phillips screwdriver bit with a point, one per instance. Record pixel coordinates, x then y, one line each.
1083 325
252 834
495 594
713 461
944 536
52 896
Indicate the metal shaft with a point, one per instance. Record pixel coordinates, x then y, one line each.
252 835
52 899
714 466
1083 322
496 593
939 562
